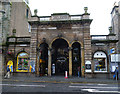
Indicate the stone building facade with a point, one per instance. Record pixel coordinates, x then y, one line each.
4 28
20 13
17 44
5 20
64 29
115 22
58 43
66 39
101 55
107 47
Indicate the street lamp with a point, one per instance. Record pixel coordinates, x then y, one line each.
110 31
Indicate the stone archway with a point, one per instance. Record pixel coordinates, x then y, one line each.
76 58
60 56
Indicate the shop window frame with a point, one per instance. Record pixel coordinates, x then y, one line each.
100 58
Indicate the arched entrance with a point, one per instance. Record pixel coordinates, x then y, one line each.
22 62
60 57
43 59
76 58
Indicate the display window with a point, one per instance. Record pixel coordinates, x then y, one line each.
10 63
22 62
100 62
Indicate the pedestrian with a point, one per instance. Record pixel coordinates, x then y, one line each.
116 73
78 71
8 72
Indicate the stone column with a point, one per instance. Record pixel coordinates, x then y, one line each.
70 61
33 50
87 48
83 62
38 63
49 61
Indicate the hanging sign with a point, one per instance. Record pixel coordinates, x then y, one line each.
112 51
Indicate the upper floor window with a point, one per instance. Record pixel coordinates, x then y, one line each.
27 13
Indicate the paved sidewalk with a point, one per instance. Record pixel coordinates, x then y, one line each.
61 79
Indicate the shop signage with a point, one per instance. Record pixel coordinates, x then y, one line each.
23 39
112 51
88 66
11 39
10 63
100 44
19 39
53 68
115 58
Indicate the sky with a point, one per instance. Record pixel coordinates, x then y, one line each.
99 11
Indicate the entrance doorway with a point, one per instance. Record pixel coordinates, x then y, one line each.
60 57
76 58
43 59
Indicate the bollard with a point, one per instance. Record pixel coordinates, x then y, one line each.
66 75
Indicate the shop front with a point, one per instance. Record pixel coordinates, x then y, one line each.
10 63
100 60
101 65
22 62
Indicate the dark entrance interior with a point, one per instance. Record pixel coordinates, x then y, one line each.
43 61
60 58
76 58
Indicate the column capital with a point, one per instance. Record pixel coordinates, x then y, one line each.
70 48
82 47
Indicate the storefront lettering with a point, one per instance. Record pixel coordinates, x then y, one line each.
11 39
23 39
19 39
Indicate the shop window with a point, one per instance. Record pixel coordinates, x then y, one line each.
22 62
10 63
100 62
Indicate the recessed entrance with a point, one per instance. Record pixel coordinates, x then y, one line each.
60 57
76 58
43 59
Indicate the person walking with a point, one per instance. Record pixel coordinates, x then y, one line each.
116 73
8 72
